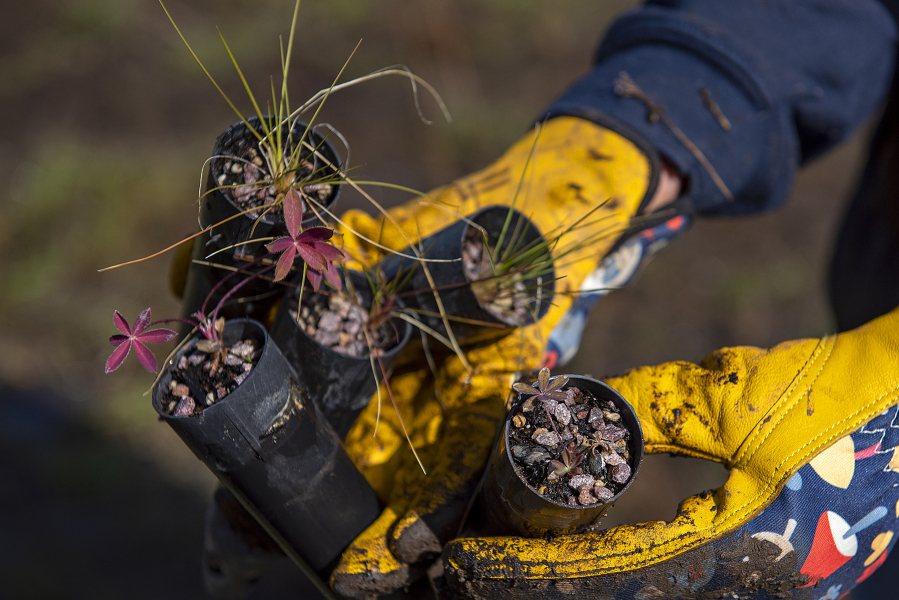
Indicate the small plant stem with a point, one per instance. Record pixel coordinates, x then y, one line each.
374 373
235 288
395 70
228 277
302 286
398 415
524 171
208 74
175 245
551 422
432 366
455 345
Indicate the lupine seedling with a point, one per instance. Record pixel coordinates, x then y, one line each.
571 457
136 338
546 390
310 245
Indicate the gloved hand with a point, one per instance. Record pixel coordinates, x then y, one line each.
809 430
452 416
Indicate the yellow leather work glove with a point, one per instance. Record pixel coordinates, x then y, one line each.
574 167
809 431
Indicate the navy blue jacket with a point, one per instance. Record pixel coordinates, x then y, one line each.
792 77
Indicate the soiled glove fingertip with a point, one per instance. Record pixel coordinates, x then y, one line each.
412 541
368 568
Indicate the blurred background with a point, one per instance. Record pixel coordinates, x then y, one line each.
106 123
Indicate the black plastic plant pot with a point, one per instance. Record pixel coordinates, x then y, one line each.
340 385
512 507
266 443
258 298
473 323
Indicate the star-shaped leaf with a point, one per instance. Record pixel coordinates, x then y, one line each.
136 338
310 245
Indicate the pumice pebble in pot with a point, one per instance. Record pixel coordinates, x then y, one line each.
333 342
237 404
570 447
241 179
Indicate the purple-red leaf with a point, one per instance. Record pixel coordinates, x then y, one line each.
328 252
284 263
523 388
315 234
143 320
293 213
136 338
543 379
315 278
310 245
145 356
117 357
312 257
120 323
280 245
333 277
157 336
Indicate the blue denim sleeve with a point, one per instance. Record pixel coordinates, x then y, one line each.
759 86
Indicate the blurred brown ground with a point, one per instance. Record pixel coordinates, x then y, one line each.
106 122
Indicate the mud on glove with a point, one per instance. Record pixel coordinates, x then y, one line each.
809 430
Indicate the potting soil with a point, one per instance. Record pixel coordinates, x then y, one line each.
337 323
242 173
201 379
594 435
504 296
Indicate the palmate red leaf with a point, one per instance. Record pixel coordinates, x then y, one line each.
311 247
280 245
329 252
315 234
523 388
543 379
333 277
315 278
143 320
557 383
137 338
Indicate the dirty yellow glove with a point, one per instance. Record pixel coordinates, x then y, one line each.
572 168
809 431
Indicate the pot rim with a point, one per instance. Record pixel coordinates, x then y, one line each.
548 287
326 146
400 345
190 344
631 426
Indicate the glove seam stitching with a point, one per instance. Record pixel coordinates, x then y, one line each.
791 397
726 526
873 405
